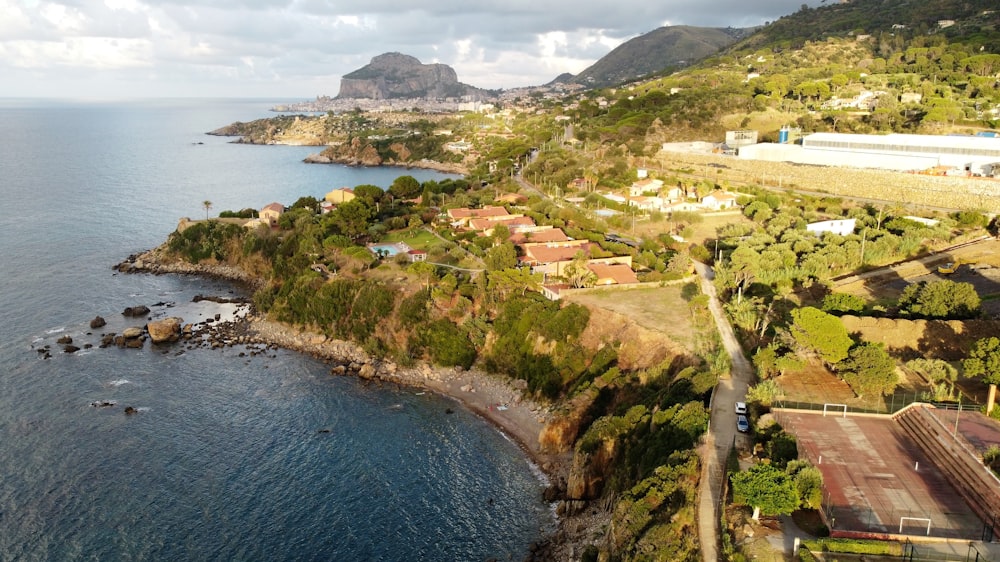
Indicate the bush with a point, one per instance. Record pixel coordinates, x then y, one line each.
843 303
446 344
943 299
855 546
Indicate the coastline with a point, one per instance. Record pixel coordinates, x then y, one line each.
496 400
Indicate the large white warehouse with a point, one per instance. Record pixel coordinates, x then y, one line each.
974 154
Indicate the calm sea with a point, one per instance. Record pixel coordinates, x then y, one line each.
226 459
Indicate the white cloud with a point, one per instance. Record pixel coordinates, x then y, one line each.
302 47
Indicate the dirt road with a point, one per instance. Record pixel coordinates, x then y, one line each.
722 430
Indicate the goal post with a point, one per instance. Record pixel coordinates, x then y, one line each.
902 519
841 406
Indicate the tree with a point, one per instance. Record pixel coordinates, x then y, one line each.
405 187
984 361
208 205
940 299
808 481
577 274
767 489
869 370
500 257
352 218
820 332
370 195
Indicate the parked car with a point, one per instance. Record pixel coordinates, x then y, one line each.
742 424
741 408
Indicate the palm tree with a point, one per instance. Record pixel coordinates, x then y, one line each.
208 205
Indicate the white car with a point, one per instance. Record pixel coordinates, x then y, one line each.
741 407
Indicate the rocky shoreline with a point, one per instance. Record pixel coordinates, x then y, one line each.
371 162
498 401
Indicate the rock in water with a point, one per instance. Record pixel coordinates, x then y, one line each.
97 322
166 330
140 310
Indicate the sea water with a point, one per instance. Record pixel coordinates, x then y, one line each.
230 456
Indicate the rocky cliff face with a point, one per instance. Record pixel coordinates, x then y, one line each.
395 75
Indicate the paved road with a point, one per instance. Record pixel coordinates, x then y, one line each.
722 431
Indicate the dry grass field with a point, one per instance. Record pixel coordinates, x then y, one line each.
660 309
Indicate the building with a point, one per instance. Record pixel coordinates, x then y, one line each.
613 273
901 152
271 213
744 137
843 227
718 201
340 195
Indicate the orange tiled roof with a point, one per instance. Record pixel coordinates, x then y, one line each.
613 273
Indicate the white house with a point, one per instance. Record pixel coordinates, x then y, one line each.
718 200
843 227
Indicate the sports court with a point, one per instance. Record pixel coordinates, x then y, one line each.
877 478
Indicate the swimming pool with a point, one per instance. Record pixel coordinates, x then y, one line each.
389 250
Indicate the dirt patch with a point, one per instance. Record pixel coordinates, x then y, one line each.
933 339
660 309
815 385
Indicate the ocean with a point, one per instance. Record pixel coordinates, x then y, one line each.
230 456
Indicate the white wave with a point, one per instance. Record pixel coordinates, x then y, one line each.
119 382
56 330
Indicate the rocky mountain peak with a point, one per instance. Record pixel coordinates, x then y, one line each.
396 75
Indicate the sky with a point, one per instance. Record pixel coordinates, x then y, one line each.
299 49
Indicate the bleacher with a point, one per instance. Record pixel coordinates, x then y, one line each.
957 460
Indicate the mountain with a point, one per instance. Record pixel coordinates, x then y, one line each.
656 51
395 75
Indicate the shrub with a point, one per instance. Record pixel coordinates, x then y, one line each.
843 303
446 344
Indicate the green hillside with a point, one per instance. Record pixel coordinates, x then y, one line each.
665 48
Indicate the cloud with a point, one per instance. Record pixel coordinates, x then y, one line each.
300 48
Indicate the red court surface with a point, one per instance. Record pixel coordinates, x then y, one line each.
874 475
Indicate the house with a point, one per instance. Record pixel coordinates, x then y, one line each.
487 224
672 193
843 227
538 234
647 203
340 195
416 255
461 216
648 185
271 213
613 273
718 200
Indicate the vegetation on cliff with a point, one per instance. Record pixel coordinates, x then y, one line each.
631 428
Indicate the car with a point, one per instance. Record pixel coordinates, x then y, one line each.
742 423
741 407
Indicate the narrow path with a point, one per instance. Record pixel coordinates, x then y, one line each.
722 429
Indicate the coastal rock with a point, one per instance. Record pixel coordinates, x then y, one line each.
64 340
70 349
132 332
317 159
164 331
97 322
130 410
367 371
134 311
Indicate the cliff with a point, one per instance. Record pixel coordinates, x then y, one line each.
395 75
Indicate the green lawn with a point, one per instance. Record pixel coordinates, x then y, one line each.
417 238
